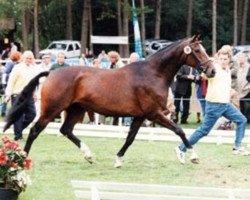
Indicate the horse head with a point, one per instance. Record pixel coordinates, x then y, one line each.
195 55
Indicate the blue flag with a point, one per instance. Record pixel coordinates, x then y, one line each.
137 36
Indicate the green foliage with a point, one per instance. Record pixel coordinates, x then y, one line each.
52 19
14 8
107 11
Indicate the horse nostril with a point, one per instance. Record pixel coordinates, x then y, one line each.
213 72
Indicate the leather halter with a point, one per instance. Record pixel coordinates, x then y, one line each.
200 64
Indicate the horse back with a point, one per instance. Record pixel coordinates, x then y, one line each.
110 92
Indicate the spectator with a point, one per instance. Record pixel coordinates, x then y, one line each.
13 47
134 57
184 78
243 86
46 62
100 119
195 105
5 53
60 61
103 57
115 60
2 85
83 60
170 106
248 75
217 105
14 59
201 91
44 66
20 76
90 58
248 57
234 67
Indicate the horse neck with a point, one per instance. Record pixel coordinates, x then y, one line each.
167 65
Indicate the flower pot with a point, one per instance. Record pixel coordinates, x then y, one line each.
8 194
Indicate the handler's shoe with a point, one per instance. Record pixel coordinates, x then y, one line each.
180 155
241 151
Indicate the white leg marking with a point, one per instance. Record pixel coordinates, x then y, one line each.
118 162
87 153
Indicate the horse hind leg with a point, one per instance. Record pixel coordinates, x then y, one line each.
134 128
47 115
34 132
74 115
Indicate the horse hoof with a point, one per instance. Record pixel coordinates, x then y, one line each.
89 159
195 160
118 162
118 165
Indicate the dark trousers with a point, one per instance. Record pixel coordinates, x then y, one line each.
27 117
245 106
115 121
185 104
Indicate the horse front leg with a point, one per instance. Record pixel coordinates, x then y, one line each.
67 130
165 122
75 114
133 130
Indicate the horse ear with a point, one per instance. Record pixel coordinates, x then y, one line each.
196 38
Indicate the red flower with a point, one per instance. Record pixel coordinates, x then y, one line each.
13 160
12 145
14 165
28 163
3 159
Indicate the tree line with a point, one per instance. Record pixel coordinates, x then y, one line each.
39 22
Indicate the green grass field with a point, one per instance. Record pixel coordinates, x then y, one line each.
56 161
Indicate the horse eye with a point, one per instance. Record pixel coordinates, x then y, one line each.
197 50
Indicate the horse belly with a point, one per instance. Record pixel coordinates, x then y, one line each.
108 94
113 104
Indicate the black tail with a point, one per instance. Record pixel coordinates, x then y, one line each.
18 107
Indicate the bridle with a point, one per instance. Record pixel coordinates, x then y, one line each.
189 51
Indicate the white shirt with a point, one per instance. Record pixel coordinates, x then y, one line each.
20 76
219 87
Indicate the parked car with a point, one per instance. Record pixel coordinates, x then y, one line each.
71 48
241 49
153 45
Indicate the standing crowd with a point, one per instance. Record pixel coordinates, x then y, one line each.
221 99
20 68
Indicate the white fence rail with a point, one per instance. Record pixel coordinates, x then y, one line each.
127 191
145 133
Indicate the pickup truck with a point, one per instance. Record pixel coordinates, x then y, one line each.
71 49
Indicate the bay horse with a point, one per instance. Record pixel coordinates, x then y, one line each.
139 90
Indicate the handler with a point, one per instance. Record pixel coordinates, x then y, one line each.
218 105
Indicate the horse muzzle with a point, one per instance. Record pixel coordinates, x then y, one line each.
209 69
